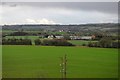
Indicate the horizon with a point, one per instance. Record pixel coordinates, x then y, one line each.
60 24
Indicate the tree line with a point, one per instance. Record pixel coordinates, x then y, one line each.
16 42
105 43
53 42
48 42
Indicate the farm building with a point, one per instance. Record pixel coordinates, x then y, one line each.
81 37
59 37
86 37
75 37
51 37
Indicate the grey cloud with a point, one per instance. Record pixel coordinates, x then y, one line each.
61 12
60 0
105 7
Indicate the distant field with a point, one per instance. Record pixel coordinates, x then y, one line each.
80 42
41 62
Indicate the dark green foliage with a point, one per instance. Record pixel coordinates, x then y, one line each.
116 44
67 37
37 42
53 42
18 34
56 42
93 44
83 44
105 43
16 41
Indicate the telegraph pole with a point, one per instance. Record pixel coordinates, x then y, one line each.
63 66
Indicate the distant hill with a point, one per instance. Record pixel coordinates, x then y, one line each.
64 27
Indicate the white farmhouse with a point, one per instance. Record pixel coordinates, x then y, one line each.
51 37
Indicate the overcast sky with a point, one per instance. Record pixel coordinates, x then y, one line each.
58 12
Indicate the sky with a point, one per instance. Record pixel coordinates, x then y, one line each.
60 0
58 12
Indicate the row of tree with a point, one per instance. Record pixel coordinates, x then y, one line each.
105 43
53 42
16 42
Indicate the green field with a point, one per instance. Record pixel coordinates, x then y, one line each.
41 62
0 61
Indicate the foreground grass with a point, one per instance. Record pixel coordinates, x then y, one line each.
41 62
0 61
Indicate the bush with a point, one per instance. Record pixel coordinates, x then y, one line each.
18 34
116 44
105 43
54 42
37 42
16 42
83 44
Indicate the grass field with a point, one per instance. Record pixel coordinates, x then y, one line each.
41 62
0 61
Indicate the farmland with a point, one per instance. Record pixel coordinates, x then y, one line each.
44 61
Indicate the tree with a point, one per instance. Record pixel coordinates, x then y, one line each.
67 37
37 42
105 42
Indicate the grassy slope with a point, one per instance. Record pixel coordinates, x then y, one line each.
36 61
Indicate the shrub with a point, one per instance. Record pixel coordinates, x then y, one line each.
54 42
16 42
37 42
83 44
105 43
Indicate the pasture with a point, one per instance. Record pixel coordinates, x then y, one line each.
44 62
0 61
